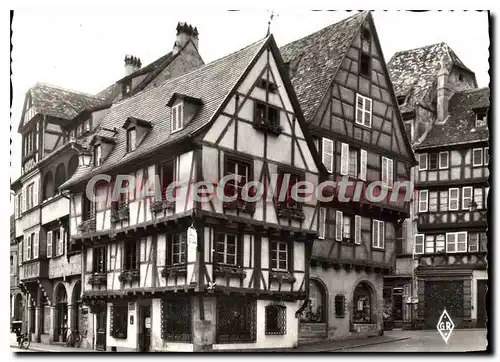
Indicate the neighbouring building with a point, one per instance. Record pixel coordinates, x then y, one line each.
56 126
444 252
190 275
343 86
16 296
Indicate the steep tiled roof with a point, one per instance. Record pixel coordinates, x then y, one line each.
315 59
58 102
460 125
414 71
211 83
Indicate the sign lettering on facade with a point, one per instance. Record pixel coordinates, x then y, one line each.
445 326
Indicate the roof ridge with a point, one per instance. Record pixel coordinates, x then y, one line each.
67 89
145 91
421 47
473 90
363 13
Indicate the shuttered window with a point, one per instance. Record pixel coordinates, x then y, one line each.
378 234
344 159
453 199
321 223
387 171
339 222
419 244
327 154
466 197
357 229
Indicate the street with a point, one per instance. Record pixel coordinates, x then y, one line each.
430 341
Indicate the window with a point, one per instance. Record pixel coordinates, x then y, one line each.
365 64
401 100
443 160
433 201
97 155
346 228
429 244
176 315
363 110
473 241
378 234
20 253
483 242
275 319
466 197
453 199
131 142
362 304
322 223
289 197
240 170
30 196
353 162
357 229
327 153
99 260
440 241
387 171
236 319
443 200
266 114
365 40
486 155
423 202
315 310
478 198
477 157
11 264
486 192
279 255
419 244
55 243
226 248
167 176
481 118
176 249
177 117
422 161
340 306
87 125
131 261
456 242
433 161
119 321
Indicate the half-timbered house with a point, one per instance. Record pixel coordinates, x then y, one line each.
56 126
445 249
344 89
184 274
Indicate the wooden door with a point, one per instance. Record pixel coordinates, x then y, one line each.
100 341
481 303
440 295
145 328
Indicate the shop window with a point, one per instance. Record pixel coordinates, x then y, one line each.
176 319
119 322
275 319
236 320
362 304
315 311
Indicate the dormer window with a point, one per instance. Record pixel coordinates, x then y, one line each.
481 118
131 139
97 155
177 117
127 87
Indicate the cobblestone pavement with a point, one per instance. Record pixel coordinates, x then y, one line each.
431 341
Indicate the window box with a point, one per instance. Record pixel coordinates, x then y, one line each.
174 271
241 205
229 271
86 226
281 276
97 279
262 125
129 276
161 206
120 213
290 209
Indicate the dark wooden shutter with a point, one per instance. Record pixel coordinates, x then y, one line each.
240 245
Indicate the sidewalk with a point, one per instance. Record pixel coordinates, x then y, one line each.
41 347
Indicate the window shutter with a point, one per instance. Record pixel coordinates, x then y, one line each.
390 172
374 233
60 242
20 248
357 229
362 169
49 244
384 170
338 225
344 159
28 248
368 113
327 154
381 242
35 193
35 246
321 223
25 198
137 254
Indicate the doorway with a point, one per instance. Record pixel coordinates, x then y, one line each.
145 326
481 303
100 340
61 313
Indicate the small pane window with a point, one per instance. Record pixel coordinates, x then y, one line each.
477 157
119 322
422 161
433 161
275 319
279 255
443 160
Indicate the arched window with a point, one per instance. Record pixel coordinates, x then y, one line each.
48 185
315 312
276 319
72 165
362 303
60 177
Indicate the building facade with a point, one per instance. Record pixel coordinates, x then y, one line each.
444 253
344 88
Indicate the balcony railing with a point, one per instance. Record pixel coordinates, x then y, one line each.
474 259
35 269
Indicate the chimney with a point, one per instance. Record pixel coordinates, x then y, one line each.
184 33
443 92
132 64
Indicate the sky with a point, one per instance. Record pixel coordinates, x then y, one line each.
84 49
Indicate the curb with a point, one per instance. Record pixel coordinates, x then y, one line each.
364 344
